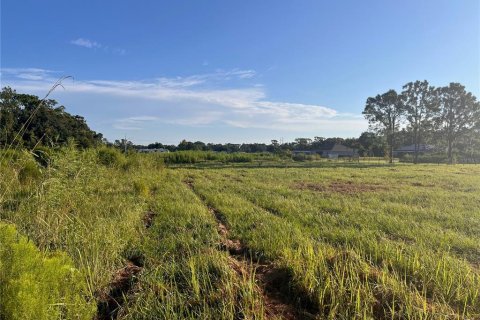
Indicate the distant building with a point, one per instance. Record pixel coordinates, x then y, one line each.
337 150
410 149
152 150
333 150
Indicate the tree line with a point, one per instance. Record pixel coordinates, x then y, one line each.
28 121
368 144
446 117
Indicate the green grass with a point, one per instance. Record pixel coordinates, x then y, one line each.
352 240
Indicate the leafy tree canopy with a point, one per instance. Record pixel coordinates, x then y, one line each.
29 121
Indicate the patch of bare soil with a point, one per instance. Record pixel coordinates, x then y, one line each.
148 219
110 302
189 182
271 282
233 246
319 187
344 187
277 293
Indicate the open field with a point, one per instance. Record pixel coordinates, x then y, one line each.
313 240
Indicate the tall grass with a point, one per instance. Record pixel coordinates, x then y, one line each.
385 253
191 157
352 242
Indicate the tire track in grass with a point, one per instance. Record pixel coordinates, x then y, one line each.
270 280
109 305
124 280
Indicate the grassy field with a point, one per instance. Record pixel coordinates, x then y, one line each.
253 240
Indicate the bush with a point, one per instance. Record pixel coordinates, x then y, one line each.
407 158
110 157
42 155
298 157
305 157
33 286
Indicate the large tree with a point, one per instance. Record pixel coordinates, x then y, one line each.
458 116
27 120
9 113
371 144
419 106
384 113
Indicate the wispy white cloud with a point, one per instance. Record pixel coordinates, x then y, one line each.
90 44
242 74
225 97
132 123
81 42
34 74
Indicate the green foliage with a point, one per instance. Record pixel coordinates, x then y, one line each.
192 157
188 277
141 189
187 157
354 244
29 172
34 286
132 162
110 157
305 157
441 116
82 208
11 155
31 122
351 240
42 155
384 113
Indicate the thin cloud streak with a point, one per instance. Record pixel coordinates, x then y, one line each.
90 44
86 43
34 74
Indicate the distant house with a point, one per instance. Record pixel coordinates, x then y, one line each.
337 150
152 150
410 149
333 150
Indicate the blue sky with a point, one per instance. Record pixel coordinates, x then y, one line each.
234 71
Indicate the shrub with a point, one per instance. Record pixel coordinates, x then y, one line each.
407 158
299 157
305 157
42 155
110 157
33 286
